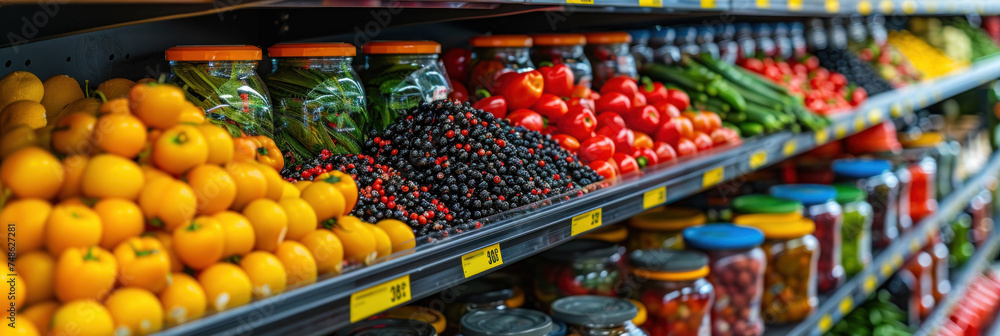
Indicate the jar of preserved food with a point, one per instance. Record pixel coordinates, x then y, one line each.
960 245
765 204
558 329
736 271
882 187
903 220
495 55
674 290
856 241
613 234
920 153
662 227
384 327
790 276
640 49
589 315
821 207
400 75
610 56
423 314
981 210
922 292
477 295
319 100
939 257
563 49
508 322
579 267
222 80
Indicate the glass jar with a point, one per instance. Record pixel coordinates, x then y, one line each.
821 207
882 187
400 75
610 56
639 47
903 220
319 100
856 241
509 322
563 49
477 295
222 80
736 271
920 152
920 266
661 227
960 245
674 290
589 315
790 276
981 210
495 55
765 204
613 234
939 257
423 314
383 327
579 267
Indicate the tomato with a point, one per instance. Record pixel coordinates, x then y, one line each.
82 318
109 175
71 226
643 140
686 147
756 65
326 199
495 105
213 187
622 136
567 142
678 99
551 106
226 286
120 134
120 219
179 149
73 134
142 263
183 300
668 132
199 244
191 115
685 127
238 232
580 91
399 234
29 217
157 105
610 118
135 311
328 251
32 173
346 185
220 143
579 122
621 84
585 102
359 243
40 315
702 141
598 148
383 245
93 263
626 163
301 217
645 157
531 120
568 285
603 168
250 183
266 272
858 96
644 119
614 102
724 135
37 271
270 223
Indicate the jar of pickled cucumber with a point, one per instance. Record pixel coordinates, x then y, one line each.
882 187
855 249
398 76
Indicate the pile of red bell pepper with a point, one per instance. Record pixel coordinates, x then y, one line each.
975 311
825 92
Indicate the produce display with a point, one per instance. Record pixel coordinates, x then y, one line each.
930 61
877 316
853 69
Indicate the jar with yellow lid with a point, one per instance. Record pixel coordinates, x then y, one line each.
495 55
563 49
674 290
400 75
319 100
223 81
423 314
611 56
790 276
661 227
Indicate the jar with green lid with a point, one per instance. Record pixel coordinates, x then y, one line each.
563 49
319 100
578 267
855 251
423 314
764 204
508 322
389 327
589 315
398 76
223 81
662 227
674 287
477 295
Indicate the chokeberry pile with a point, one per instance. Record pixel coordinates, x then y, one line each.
856 71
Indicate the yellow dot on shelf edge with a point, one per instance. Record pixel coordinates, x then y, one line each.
909 7
887 6
864 7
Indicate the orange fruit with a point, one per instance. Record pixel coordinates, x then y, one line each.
73 167
70 226
109 175
220 143
167 241
179 149
383 245
238 231
266 273
199 244
326 250
115 88
121 219
250 183
298 261
400 234
135 311
32 173
301 217
73 132
214 189
82 318
120 134
183 300
270 223
38 270
92 263
29 217
40 315
359 243
158 106
325 199
226 286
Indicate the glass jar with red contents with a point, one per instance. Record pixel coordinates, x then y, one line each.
790 276
495 55
563 49
882 187
923 170
828 216
920 267
938 251
677 296
981 210
610 56
579 267
736 271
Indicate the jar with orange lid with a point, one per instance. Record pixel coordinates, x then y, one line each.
610 55
662 227
495 55
563 49
617 234
319 101
223 81
398 76
674 289
790 276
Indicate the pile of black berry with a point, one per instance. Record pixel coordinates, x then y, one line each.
856 71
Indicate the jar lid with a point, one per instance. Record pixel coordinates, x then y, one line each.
760 203
860 168
501 41
641 316
608 37
667 218
333 49
424 314
611 234
484 291
581 249
640 34
558 329
848 193
214 53
389 327
592 309
808 194
925 140
506 322
669 264
722 236
401 47
558 39
777 228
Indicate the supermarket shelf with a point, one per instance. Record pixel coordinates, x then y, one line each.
834 306
433 267
867 7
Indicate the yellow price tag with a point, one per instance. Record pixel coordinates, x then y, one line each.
909 7
480 260
822 136
887 6
654 197
846 305
763 4
712 177
650 3
758 159
875 116
707 3
832 6
896 110
864 7
789 148
869 284
841 131
585 222
580 2
825 323
795 5
380 298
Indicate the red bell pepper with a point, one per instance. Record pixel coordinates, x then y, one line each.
580 91
668 132
595 149
679 99
621 84
456 63
567 142
615 102
587 103
610 118
654 92
495 105
550 106
603 168
626 163
521 89
664 152
558 79
644 119
622 136
578 122
527 118
645 157
458 92
686 147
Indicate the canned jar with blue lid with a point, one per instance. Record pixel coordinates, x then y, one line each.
882 186
822 208
389 327
594 315
508 322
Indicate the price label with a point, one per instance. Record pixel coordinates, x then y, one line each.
822 136
869 284
585 222
789 149
712 177
654 197
825 323
707 3
896 110
887 6
874 116
841 131
832 6
909 7
481 260
380 298
650 3
864 7
795 5
758 159
580 2
846 305
763 4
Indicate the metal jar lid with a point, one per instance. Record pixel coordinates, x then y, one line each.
389 327
592 309
506 322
